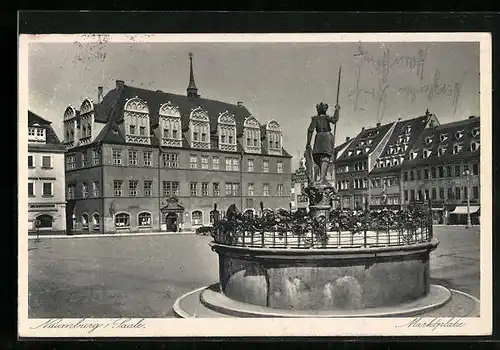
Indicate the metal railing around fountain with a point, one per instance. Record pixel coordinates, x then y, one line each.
342 229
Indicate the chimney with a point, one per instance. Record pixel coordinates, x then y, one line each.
159 91
363 128
347 138
120 84
472 117
99 94
378 125
240 103
399 119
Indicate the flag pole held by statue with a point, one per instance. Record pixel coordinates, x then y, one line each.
335 128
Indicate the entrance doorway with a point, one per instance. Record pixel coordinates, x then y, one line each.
171 222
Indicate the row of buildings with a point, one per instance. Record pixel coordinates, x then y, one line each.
142 160
409 161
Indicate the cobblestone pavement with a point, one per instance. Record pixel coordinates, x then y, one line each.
143 276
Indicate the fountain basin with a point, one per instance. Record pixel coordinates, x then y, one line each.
325 279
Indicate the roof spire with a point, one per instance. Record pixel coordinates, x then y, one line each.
192 90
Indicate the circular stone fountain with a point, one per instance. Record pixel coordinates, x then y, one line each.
325 263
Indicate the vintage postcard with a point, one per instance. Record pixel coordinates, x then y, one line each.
255 185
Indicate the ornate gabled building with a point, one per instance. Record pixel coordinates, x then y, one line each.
46 189
356 161
151 160
443 165
385 190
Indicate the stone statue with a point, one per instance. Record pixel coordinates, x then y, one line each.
322 153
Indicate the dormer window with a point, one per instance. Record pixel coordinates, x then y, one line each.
407 139
395 162
199 124
443 137
428 140
370 141
475 132
401 159
226 128
136 114
170 123
251 131
358 151
459 134
408 129
474 146
405 147
362 142
274 135
441 151
367 149
349 153
387 162
427 153
413 154
456 148
36 134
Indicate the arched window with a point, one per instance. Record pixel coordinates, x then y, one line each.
144 219
226 129
136 112
199 128
96 220
170 125
87 106
251 137
85 221
122 220
273 136
197 218
45 221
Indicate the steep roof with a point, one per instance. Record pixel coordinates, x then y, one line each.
375 134
417 126
50 135
449 130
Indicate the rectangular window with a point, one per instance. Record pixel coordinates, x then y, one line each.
215 163
457 170
31 189
405 176
170 160
279 167
265 166
132 157
46 162
132 129
132 187
195 136
228 188
215 189
457 193
31 163
434 196
71 191
204 163
175 188
31 131
117 188
475 192
96 157
85 190
426 174
441 192
466 193
265 189
47 189
148 188
426 195
147 158
193 161
204 137
204 189
117 156
419 195
412 176
419 174
412 195
174 134
142 131
166 133
466 167
229 164
441 171
251 190
193 186
433 172
448 171
169 188
279 190
96 189
236 164
250 165
236 189
449 193
475 169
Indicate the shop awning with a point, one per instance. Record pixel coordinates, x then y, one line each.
462 209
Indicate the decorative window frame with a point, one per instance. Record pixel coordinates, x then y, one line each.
94 224
199 121
136 112
193 220
150 219
274 133
459 134
170 116
87 225
251 127
122 227
476 131
226 124
476 144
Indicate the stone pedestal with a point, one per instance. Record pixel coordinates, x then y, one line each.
320 198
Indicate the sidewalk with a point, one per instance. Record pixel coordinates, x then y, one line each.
98 235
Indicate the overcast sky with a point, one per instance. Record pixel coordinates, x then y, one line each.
282 81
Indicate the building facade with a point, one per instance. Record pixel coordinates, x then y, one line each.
150 160
46 180
443 165
385 177
298 199
355 163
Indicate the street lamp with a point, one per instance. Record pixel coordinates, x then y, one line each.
467 174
